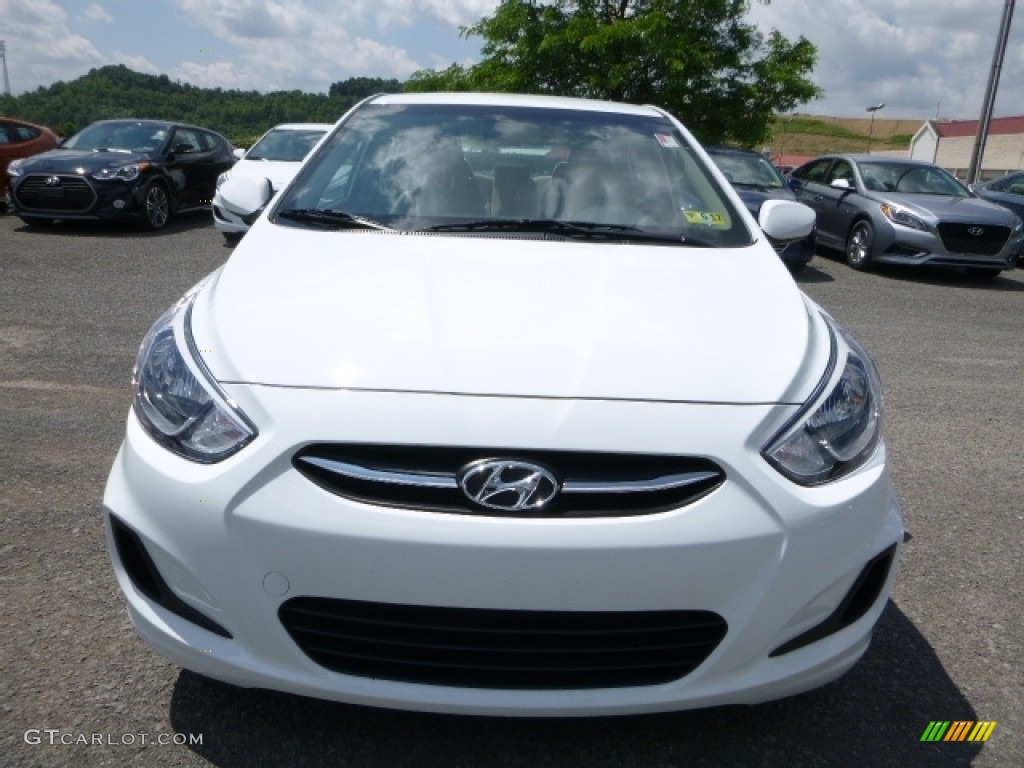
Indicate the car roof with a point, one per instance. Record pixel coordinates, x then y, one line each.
158 123
863 158
732 151
302 127
516 100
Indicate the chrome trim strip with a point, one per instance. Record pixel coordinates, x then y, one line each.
357 472
424 480
666 483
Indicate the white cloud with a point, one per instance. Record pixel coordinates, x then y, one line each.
915 55
41 49
96 12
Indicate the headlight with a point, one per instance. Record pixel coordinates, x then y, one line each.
176 398
839 428
14 169
122 172
902 216
221 179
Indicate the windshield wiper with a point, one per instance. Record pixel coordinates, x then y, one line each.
578 229
331 219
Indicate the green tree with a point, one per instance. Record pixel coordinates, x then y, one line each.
697 58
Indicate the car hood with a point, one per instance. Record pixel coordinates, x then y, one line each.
962 209
80 161
280 172
506 316
754 197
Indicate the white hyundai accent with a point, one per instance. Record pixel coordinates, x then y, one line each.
506 406
275 157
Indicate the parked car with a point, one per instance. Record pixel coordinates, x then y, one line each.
901 211
147 169
504 405
1007 191
275 157
757 180
21 139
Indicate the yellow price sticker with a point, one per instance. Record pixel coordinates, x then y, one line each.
708 218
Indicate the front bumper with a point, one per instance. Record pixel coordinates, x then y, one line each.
224 220
236 540
903 245
75 198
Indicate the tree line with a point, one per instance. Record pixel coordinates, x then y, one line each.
116 91
699 59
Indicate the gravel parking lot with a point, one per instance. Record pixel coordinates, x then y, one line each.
79 689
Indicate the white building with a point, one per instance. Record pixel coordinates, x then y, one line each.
950 144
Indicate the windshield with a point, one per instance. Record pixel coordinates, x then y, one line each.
911 179
134 136
748 170
414 167
285 144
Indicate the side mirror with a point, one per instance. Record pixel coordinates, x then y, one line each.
793 183
841 184
239 153
785 220
246 197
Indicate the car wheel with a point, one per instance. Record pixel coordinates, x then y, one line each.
983 273
859 245
156 206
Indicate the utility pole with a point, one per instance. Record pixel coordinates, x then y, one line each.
978 152
871 128
3 58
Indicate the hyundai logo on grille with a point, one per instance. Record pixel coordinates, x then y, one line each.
53 181
976 231
508 485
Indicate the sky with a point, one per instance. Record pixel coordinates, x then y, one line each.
924 59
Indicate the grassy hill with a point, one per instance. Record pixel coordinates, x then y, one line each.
815 135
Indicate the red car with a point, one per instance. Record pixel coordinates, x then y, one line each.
21 139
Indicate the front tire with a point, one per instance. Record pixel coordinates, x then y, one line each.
859 245
156 206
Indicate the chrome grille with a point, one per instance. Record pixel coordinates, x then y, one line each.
497 649
73 194
981 239
589 484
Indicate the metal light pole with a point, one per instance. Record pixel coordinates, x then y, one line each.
990 94
871 128
3 60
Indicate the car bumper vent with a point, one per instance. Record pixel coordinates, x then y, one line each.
984 240
496 649
426 478
68 194
858 601
145 577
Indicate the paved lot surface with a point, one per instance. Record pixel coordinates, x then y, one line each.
75 302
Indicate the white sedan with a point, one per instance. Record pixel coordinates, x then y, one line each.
506 406
276 158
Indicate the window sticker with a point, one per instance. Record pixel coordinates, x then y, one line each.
707 218
666 140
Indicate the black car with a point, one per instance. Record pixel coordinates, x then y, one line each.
148 169
757 180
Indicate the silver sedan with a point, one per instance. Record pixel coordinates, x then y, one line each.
901 211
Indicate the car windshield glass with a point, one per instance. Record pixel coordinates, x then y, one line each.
285 145
748 170
124 136
427 167
911 178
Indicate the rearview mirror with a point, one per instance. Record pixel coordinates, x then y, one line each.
785 220
246 197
